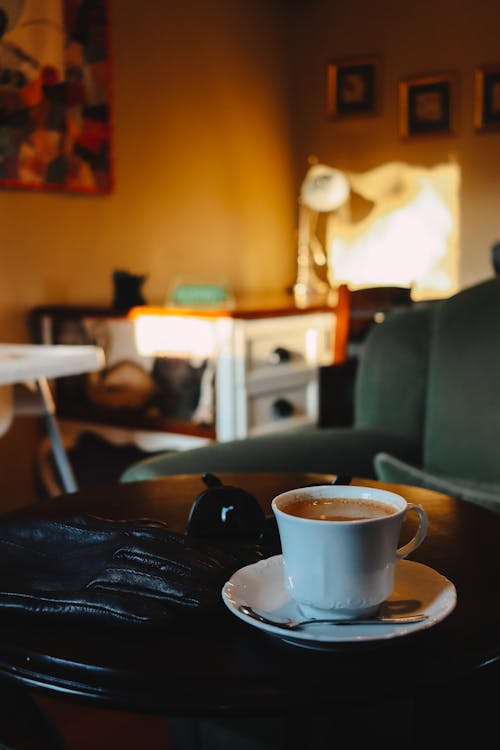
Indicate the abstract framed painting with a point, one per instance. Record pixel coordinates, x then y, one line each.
55 92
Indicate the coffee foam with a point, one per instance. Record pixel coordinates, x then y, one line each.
337 508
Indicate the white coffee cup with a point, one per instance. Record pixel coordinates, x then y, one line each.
342 568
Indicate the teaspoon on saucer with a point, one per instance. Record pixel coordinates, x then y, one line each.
297 624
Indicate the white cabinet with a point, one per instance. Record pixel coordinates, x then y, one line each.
266 373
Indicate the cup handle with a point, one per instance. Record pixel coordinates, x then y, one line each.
419 537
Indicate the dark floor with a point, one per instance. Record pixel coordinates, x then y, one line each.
94 462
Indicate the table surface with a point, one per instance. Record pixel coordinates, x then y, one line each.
23 362
227 667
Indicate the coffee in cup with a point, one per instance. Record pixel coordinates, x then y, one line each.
340 547
337 509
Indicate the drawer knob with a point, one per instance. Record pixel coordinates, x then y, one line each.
279 355
282 408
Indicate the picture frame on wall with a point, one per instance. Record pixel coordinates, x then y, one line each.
352 87
426 105
487 98
55 97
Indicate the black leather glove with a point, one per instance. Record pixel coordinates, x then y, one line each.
131 572
91 569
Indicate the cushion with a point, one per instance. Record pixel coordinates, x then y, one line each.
334 450
391 382
462 423
391 469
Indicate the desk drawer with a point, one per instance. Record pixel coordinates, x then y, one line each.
283 407
294 341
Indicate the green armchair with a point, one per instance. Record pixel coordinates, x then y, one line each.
426 409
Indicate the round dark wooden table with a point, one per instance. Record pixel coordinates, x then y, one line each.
228 668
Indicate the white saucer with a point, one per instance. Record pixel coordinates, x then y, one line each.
418 588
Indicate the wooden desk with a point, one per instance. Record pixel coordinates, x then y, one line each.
258 370
226 668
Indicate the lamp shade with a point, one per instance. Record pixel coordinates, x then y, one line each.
324 188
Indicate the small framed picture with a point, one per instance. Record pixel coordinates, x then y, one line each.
426 105
487 98
352 88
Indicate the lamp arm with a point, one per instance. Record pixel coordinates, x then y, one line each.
308 241
315 246
304 228
318 252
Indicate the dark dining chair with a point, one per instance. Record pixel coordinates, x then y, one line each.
367 307
495 258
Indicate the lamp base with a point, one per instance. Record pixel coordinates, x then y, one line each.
317 293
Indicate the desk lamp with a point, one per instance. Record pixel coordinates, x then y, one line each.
323 190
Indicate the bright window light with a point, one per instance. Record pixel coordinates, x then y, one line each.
311 344
174 336
409 237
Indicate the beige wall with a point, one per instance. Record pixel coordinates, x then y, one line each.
411 38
